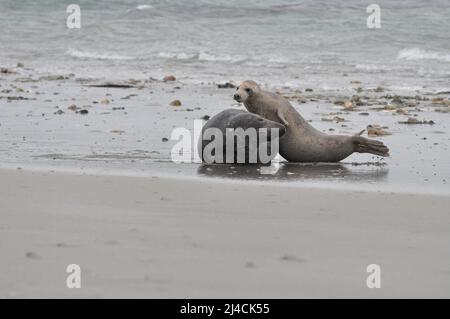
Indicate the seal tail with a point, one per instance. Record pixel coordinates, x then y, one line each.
365 145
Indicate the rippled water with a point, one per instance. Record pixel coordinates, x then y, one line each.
317 43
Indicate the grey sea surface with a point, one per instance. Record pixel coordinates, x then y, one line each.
312 43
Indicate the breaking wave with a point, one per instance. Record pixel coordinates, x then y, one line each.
94 55
421 54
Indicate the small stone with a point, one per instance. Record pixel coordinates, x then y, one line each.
84 112
52 78
348 106
6 71
390 107
31 255
401 111
413 120
338 119
376 130
250 264
227 85
292 258
205 117
164 139
440 101
397 101
105 101
169 78
411 103
175 103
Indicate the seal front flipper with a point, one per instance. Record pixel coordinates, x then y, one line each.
282 118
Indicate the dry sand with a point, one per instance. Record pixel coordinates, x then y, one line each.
169 237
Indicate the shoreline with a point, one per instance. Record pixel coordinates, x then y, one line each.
170 238
344 186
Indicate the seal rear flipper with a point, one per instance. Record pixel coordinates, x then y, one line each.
365 145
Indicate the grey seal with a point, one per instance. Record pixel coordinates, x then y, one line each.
302 142
239 119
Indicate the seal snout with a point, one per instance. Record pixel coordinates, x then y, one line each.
237 97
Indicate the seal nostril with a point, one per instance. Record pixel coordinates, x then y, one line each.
237 96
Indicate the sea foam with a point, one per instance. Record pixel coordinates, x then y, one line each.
421 54
94 55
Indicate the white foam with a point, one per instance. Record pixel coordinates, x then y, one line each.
144 7
178 56
203 56
421 54
372 67
93 55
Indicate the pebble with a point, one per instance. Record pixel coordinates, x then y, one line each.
227 85
175 103
413 120
169 78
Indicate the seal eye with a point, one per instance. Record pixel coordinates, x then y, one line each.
248 90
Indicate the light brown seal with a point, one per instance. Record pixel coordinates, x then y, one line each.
302 142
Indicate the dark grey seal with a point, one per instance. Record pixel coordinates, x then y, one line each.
234 120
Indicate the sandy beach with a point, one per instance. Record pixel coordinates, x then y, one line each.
171 237
88 115
99 189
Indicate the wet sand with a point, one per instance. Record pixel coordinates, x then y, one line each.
86 124
172 237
